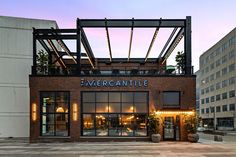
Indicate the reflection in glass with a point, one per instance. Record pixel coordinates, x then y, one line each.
140 107
169 128
102 96
127 107
89 107
61 124
140 126
140 97
114 107
88 125
102 107
114 125
114 97
88 96
47 124
101 125
127 97
127 125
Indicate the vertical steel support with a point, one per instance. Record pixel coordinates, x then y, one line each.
34 52
78 47
188 46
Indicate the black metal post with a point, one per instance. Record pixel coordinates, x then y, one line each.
34 53
188 46
78 67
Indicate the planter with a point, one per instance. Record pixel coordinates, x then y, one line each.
193 138
156 138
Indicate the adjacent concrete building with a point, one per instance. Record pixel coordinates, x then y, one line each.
217 84
15 66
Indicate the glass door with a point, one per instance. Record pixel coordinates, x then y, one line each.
169 128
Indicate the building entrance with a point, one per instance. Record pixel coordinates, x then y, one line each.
171 128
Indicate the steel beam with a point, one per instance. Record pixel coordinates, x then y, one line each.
174 43
188 46
128 23
131 39
168 41
78 47
34 52
108 41
44 36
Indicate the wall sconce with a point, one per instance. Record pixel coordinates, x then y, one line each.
34 112
75 112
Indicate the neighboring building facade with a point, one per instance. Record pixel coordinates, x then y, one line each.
198 78
217 84
83 98
15 66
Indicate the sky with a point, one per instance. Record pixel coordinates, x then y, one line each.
211 20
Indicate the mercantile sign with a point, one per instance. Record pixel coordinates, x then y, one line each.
113 83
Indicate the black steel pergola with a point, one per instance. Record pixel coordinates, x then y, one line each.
181 28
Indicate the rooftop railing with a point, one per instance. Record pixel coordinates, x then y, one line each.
108 71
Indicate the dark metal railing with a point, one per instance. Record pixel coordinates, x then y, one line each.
58 70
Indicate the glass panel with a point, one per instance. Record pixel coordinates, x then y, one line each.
88 96
140 107
102 107
128 125
88 125
114 125
171 98
114 97
48 107
140 125
89 107
140 97
48 130
127 108
169 128
62 97
48 119
48 97
114 107
61 107
102 96
127 97
101 125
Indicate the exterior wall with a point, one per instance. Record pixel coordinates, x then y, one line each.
210 57
15 66
156 86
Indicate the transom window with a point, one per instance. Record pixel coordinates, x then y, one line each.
114 113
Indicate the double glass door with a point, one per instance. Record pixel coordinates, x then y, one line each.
171 128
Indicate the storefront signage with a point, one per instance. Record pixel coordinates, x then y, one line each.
113 83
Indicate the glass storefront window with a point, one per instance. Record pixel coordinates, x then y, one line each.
54 113
115 114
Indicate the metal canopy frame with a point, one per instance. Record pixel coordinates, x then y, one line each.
79 35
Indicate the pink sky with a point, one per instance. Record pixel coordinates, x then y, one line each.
211 20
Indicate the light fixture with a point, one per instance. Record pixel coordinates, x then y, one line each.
34 112
174 112
75 112
60 109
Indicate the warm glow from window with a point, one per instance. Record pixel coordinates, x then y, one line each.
60 109
175 112
34 110
75 112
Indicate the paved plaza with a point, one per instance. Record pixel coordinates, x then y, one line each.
205 148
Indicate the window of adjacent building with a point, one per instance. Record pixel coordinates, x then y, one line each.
212 77
202 111
217 74
224 83
224 108
218 62
202 91
171 99
218 97
224 95
207 90
54 113
212 66
218 51
218 85
212 98
231 54
202 101
207 100
207 70
212 88
224 59
231 67
114 113
232 107
217 108
224 71
207 79
231 41
231 80
212 55
231 93
207 59
212 109
207 110
225 122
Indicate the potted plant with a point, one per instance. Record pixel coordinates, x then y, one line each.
42 62
191 128
180 62
154 128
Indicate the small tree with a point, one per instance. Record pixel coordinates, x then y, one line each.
190 124
154 124
42 61
180 61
